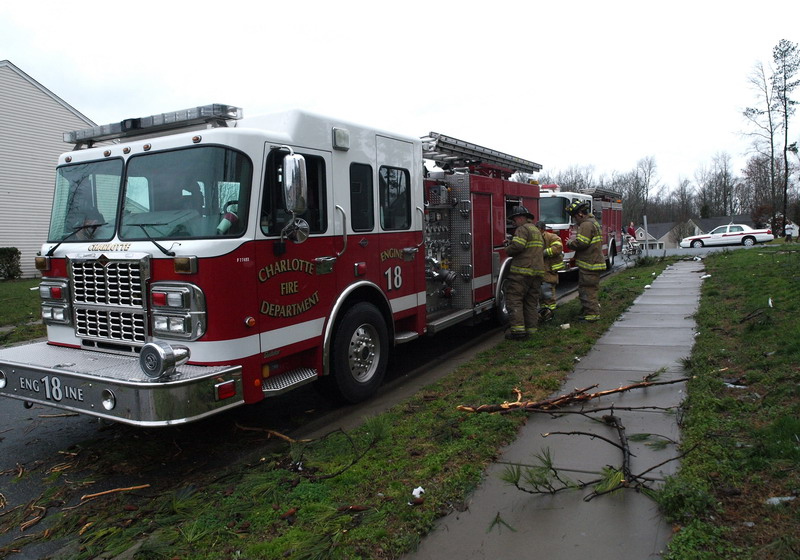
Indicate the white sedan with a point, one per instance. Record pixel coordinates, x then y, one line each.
732 234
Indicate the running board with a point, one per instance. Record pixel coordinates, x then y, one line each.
274 386
406 336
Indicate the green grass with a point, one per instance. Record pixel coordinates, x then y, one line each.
19 309
742 412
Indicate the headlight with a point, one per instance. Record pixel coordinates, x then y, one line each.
179 310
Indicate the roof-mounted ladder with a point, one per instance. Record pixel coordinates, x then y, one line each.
457 153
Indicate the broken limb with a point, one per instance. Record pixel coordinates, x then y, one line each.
573 397
272 433
115 490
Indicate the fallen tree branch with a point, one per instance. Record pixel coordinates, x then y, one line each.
573 397
589 434
113 491
272 433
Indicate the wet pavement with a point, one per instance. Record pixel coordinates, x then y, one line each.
500 521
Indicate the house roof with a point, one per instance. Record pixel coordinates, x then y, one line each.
657 231
57 99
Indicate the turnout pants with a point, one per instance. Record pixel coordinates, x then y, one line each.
549 296
588 292
522 301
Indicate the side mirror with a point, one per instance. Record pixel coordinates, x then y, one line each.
295 183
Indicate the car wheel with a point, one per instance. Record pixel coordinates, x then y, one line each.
360 353
697 244
748 241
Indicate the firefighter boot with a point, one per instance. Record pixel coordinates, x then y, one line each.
516 335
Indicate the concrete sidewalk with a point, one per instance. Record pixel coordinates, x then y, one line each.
656 333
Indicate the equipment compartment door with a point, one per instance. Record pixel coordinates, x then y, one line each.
482 281
399 196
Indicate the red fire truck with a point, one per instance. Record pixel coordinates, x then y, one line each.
607 209
197 260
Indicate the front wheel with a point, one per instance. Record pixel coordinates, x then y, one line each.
697 244
360 353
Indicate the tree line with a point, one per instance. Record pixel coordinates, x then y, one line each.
766 188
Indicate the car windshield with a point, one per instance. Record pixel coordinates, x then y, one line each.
190 193
85 201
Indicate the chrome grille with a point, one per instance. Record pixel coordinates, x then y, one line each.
116 283
106 324
108 298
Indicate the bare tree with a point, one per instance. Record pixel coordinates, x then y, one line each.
786 57
646 174
766 121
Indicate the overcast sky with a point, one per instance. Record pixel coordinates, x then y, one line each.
578 83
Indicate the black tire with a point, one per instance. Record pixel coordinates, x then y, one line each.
748 241
501 309
360 353
612 252
697 244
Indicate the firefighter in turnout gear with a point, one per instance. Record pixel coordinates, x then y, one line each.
525 274
588 247
553 262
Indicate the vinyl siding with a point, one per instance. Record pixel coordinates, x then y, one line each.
32 123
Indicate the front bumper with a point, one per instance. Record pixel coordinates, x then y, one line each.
114 387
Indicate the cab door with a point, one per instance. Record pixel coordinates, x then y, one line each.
295 293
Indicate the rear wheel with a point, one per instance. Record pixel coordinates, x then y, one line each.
360 353
748 241
501 310
697 243
612 252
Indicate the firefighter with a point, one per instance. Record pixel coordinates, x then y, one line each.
525 274
588 247
553 262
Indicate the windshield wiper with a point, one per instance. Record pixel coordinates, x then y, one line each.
162 249
75 231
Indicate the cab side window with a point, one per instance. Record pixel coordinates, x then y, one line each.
273 213
361 197
395 198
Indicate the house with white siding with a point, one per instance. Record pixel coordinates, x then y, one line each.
32 123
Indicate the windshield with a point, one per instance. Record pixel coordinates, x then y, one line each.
85 201
553 210
190 193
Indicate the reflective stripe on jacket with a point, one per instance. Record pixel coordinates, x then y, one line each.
553 256
527 251
588 246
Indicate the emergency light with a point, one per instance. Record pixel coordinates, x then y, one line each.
216 113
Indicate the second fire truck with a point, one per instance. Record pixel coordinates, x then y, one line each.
197 260
606 206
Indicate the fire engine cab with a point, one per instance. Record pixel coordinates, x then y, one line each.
606 206
197 260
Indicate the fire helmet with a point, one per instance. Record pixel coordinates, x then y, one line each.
520 211
578 206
